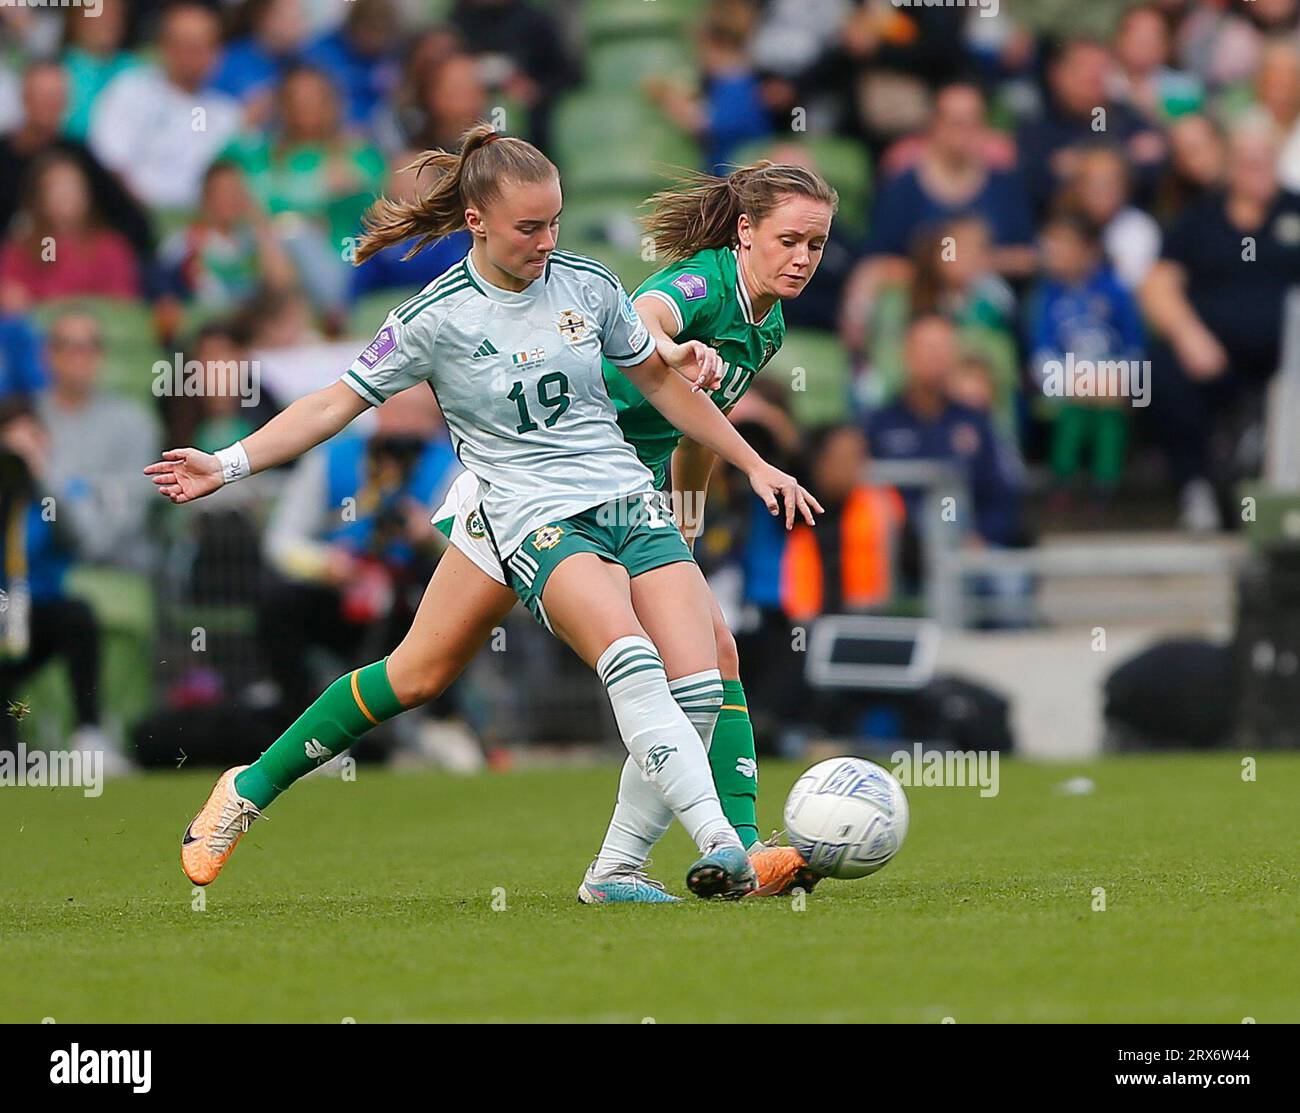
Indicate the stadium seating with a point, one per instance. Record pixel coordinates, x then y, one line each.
625 63
124 603
640 166
585 120
616 144
815 369
631 269
168 222
367 315
613 219
603 21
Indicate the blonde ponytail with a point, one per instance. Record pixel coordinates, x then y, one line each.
472 177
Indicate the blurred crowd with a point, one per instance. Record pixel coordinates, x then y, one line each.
185 181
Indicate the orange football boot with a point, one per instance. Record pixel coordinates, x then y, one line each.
780 869
214 833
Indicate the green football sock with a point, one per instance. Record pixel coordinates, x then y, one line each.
734 764
343 713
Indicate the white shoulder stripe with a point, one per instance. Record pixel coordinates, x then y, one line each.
677 313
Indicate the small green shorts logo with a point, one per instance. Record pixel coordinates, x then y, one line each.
547 537
657 758
474 525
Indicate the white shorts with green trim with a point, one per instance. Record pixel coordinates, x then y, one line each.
461 522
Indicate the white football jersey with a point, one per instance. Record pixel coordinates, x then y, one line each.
518 377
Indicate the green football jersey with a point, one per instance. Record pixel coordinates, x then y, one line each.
710 303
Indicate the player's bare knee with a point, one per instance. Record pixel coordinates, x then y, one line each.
728 653
416 682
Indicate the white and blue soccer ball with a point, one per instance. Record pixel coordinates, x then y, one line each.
847 816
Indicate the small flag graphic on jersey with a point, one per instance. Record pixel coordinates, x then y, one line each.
527 359
485 349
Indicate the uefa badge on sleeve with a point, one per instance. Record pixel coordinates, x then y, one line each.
692 286
383 344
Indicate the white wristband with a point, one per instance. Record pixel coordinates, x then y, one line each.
234 463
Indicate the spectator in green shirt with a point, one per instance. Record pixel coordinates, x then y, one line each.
314 179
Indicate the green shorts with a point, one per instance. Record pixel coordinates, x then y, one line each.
637 532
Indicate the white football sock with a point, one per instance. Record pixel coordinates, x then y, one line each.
700 696
667 752
640 819
642 815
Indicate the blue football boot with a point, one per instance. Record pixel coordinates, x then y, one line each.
725 871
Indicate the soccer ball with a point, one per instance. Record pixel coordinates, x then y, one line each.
847 817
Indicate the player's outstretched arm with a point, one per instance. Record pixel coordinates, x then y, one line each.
699 364
186 474
695 416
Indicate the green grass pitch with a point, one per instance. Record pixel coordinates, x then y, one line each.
374 900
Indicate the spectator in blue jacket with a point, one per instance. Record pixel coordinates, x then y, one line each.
362 57
1086 337
269 41
729 109
21 368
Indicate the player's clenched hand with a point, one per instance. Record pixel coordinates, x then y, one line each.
695 361
777 489
185 474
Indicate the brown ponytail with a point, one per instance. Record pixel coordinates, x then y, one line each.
700 211
472 177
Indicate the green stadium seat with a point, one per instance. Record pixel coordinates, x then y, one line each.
224 619
513 117
367 316
624 63
586 122
817 372
1276 521
843 162
169 221
631 269
604 21
131 345
613 219
196 315
633 165
436 11
123 601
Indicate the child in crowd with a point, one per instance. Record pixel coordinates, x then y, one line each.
1087 342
